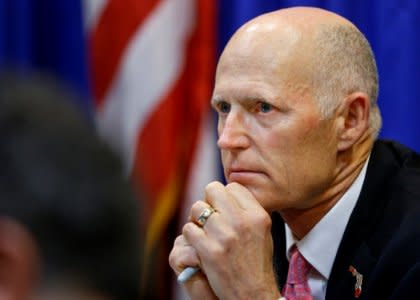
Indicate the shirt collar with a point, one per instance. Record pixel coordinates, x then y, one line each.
320 245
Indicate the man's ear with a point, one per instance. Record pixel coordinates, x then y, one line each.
354 114
19 261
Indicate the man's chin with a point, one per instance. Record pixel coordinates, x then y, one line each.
260 196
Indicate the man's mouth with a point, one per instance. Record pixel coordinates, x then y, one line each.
243 176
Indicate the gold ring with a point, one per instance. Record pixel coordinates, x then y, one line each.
202 218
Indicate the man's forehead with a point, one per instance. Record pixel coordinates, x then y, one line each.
262 41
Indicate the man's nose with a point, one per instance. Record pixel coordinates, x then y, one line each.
232 132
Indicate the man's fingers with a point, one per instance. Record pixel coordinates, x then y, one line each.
217 196
230 197
200 212
183 255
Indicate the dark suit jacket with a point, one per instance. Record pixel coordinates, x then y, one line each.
382 238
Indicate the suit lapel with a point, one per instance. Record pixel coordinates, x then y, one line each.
354 249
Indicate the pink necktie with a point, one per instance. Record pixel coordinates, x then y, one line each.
296 287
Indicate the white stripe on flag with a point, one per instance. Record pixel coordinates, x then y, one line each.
149 68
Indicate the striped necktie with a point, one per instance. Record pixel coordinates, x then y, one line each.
296 287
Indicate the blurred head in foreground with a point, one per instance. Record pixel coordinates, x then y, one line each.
68 221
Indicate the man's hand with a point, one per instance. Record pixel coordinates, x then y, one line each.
234 247
183 256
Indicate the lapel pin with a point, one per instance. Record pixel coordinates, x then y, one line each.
359 281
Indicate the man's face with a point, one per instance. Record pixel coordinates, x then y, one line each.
271 135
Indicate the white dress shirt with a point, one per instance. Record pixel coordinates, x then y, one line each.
320 245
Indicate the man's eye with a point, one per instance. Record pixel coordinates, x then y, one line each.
264 107
224 107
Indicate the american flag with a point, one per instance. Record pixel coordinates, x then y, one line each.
152 72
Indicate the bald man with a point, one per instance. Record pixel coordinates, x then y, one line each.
315 206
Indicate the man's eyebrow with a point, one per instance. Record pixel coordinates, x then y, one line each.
216 100
246 100
252 99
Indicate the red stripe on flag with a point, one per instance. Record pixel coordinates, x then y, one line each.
114 29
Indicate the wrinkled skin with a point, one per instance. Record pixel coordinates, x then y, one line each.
238 232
